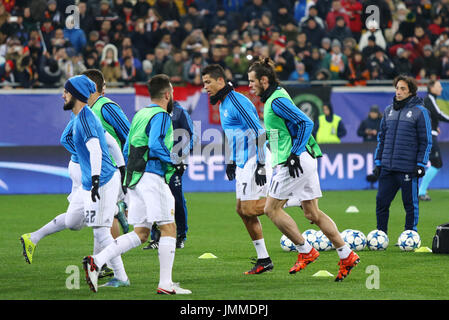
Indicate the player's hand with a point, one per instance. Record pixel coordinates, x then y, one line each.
420 171
261 175
230 170
122 176
294 165
376 171
180 168
95 186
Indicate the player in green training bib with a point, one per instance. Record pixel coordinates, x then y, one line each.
294 155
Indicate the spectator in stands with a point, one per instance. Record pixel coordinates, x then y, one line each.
340 31
300 74
27 74
159 60
106 13
283 59
354 10
337 10
371 48
407 27
52 13
194 15
369 127
69 63
283 17
193 69
254 10
140 9
302 45
174 67
167 9
7 75
380 66
109 64
49 71
74 34
358 70
329 128
86 17
129 72
47 30
313 62
4 15
313 13
195 39
141 38
147 68
398 17
314 32
436 28
427 64
419 40
336 62
237 62
402 62
373 30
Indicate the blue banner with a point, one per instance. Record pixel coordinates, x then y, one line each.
34 170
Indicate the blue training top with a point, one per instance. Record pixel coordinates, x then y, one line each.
67 139
86 125
241 124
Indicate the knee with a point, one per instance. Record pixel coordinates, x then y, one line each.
248 210
168 230
142 233
74 223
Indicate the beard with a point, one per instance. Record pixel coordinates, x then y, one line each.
69 105
170 106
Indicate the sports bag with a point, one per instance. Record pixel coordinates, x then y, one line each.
440 243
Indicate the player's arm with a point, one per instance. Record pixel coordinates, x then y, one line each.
67 138
115 116
158 127
114 150
424 129
243 112
285 109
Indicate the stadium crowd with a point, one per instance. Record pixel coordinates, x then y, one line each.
42 43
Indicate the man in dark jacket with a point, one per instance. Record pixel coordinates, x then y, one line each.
436 115
369 127
402 152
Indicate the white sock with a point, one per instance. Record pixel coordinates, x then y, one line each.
167 247
304 248
261 249
55 225
117 247
344 252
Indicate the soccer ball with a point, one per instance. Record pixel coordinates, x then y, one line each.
409 240
344 233
377 240
287 244
321 243
309 235
355 239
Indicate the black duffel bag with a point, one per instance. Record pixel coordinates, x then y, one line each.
440 243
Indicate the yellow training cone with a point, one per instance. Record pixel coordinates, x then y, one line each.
207 255
323 273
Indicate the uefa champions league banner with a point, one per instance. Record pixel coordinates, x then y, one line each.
34 170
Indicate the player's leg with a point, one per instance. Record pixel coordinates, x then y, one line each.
436 162
249 211
180 210
387 189
99 215
409 189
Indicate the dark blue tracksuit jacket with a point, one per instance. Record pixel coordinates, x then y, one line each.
404 142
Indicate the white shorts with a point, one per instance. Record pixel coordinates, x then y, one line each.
75 212
246 187
75 176
151 201
101 212
305 187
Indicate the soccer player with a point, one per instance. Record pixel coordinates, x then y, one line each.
99 177
148 172
293 158
182 127
434 90
116 123
241 124
73 218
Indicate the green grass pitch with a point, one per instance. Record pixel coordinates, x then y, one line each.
215 227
